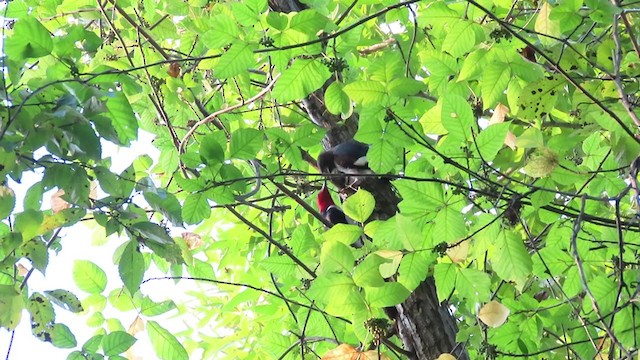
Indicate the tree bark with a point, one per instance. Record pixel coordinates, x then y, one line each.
426 327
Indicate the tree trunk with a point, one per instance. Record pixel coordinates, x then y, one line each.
426 327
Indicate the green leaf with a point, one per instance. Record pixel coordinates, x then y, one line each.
117 342
366 92
473 284
152 232
62 337
165 344
211 152
409 233
460 38
86 141
491 140
131 267
381 156
33 197
169 252
41 311
302 78
403 87
30 40
367 273
626 325
336 257
16 9
308 21
495 80
345 233
166 203
427 194
109 182
152 308
457 117
594 151
122 118
281 265
93 344
7 201
331 286
604 291
36 251
223 30
512 262
390 294
445 275
538 98
65 299
336 100
245 143
359 206
196 208
530 138
448 226
235 61
414 268
386 68
89 277
11 306
28 223
473 65
7 162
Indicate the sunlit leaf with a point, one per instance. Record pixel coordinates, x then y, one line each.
89 277
165 344
117 342
32 40
359 206
303 77
131 267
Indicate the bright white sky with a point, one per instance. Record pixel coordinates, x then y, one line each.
77 244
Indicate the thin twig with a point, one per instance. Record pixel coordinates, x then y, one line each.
282 248
617 59
248 286
215 115
583 278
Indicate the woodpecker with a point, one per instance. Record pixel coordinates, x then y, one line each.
350 158
333 213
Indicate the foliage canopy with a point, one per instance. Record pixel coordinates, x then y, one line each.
509 128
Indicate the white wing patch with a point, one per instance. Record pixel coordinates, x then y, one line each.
361 161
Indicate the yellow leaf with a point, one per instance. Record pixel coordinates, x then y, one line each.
342 352
22 271
93 191
446 356
388 269
57 203
373 355
498 116
136 326
192 240
545 26
458 253
51 222
493 314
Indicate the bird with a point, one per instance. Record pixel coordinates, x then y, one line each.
349 157
332 213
